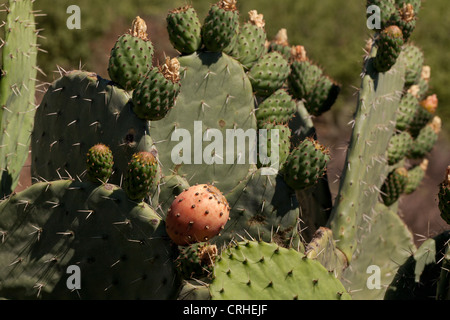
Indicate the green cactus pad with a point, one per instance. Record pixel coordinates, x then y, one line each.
245 271
131 57
262 207
366 164
79 110
394 186
184 29
383 243
269 73
17 90
306 164
120 247
169 187
220 27
418 277
399 146
215 94
100 162
142 175
389 46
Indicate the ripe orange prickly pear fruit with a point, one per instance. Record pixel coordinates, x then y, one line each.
197 215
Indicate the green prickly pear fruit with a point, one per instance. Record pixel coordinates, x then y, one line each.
284 142
280 43
394 186
406 110
142 175
196 260
277 108
444 197
399 146
252 40
100 163
131 56
306 164
156 94
414 59
269 73
221 26
426 139
197 215
323 96
304 74
415 176
421 87
307 81
387 9
416 4
423 115
389 43
405 19
184 29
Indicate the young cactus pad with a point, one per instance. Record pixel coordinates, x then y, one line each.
245 271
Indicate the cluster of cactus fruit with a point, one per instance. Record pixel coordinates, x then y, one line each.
144 218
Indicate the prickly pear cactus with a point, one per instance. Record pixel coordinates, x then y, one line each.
17 90
245 271
78 111
119 246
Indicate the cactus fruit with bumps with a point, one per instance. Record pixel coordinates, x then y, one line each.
179 225
184 29
389 44
142 175
131 56
221 26
157 91
100 163
197 215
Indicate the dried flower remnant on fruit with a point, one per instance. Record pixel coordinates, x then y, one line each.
171 69
436 125
256 19
229 5
281 38
299 53
426 73
430 103
139 28
407 12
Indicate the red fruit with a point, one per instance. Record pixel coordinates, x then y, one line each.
197 215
